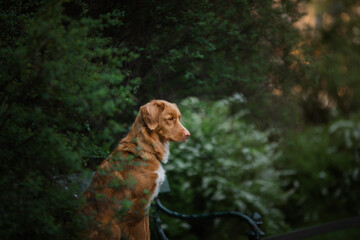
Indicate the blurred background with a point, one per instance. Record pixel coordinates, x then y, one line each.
268 89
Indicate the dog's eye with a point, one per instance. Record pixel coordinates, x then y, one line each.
171 118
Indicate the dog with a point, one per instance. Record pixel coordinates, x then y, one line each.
119 196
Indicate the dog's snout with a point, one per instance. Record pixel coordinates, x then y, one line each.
187 134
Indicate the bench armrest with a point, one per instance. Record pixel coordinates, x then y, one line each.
255 232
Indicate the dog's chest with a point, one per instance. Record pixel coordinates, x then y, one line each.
159 180
166 154
161 172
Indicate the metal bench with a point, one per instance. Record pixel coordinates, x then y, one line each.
254 232
254 223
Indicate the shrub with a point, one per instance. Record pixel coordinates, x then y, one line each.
227 164
325 162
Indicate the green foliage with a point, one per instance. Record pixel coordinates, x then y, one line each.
61 84
72 73
325 163
227 164
206 48
71 70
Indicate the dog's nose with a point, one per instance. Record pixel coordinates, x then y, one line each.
187 134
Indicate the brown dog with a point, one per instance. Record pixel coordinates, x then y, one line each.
125 183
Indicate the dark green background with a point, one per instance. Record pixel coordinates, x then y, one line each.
74 73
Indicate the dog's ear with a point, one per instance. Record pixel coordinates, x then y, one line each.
151 112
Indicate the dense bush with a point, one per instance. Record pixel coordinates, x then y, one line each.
227 164
61 84
326 173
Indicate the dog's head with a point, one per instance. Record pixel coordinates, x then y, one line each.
164 118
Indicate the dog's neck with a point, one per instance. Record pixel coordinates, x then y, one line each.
147 140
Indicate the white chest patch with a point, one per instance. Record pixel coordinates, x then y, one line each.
160 179
167 153
161 172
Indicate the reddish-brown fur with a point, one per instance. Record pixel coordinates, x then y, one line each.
157 123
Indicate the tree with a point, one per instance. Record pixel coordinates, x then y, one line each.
210 49
61 83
